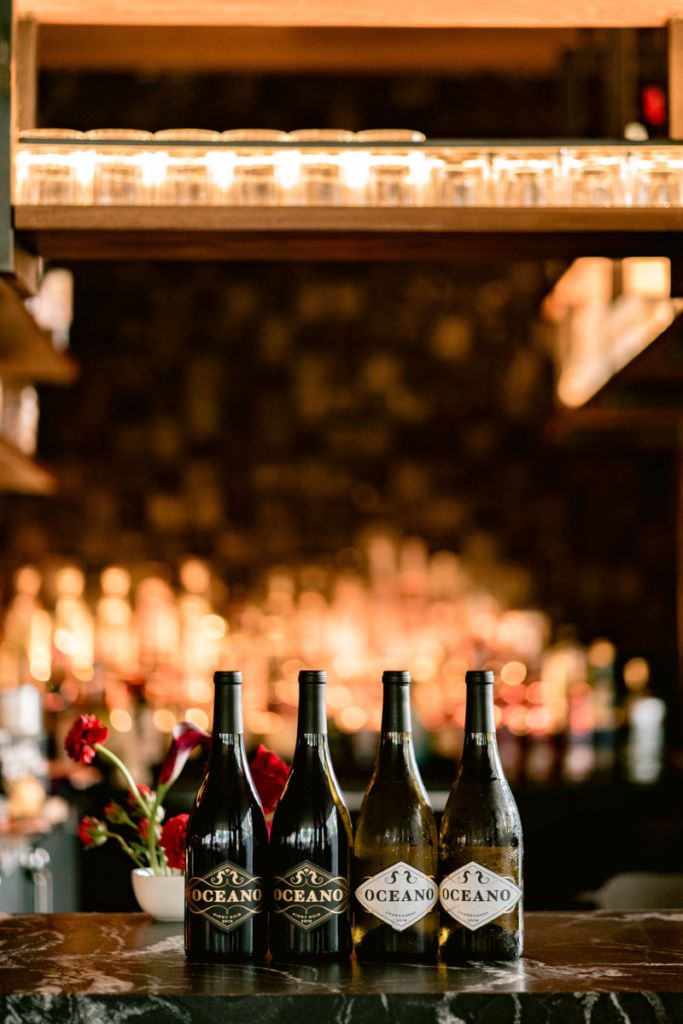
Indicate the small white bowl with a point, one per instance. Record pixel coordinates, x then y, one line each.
161 896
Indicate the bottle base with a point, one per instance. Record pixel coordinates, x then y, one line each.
487 949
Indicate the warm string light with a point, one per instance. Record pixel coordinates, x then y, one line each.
323 168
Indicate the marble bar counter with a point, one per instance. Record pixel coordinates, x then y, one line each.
587 968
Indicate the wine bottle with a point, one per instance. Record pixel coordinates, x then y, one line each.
310 845
395 849
226 848
480 847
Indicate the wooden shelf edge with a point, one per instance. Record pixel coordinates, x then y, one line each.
341 13
21 475
423 219
353 233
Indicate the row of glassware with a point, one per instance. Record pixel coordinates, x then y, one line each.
334 168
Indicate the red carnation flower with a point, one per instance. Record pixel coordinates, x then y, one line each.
269 773
92 832
82 737
173 840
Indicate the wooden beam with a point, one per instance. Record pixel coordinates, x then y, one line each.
6 132
27 267
675 33
319 50
678 540
26 78
359 13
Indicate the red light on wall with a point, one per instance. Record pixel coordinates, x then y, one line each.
653 99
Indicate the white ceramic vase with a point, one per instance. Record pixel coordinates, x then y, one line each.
160 896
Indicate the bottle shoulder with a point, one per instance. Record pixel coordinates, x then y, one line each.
310 803
232 806
395 812
484 812
390 795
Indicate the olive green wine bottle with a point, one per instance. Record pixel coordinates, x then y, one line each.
395 851
310 845
227 838
480 847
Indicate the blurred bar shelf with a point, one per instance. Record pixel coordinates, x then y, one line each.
652 380
642 398
26 350
21 475
345 233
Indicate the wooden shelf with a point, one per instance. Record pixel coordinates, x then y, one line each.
652 380
358 13
642 399
21 475
26 351
355 233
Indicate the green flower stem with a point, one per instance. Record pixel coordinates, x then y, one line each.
107 754
157 855
149 811
152 835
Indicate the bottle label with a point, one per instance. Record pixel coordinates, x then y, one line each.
474 895
227 895
308 895
400 895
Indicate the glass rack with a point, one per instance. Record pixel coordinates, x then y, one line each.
252 167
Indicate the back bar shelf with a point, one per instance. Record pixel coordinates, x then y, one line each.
344 233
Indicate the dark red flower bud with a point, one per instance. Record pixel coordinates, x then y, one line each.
92 832
144 791
114 813
185 738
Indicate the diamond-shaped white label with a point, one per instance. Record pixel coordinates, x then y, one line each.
400 895
474 895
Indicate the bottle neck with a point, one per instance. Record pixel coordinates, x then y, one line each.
395 751
312 720
479 714
228 726
480 757
396 710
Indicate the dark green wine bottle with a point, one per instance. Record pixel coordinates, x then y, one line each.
480 848
395 850
227 838
310 845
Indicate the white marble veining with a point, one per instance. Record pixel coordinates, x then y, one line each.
601 968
